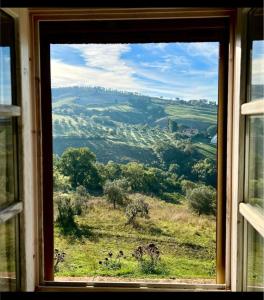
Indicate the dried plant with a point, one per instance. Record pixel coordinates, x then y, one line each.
59 257
113 262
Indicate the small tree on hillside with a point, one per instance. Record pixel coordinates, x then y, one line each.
211 130
79 165
114 192
138 208
203 200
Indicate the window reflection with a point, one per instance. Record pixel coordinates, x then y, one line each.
256 161
7 256
256 62
255 267
6 162
5 76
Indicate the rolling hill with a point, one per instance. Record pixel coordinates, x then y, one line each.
123 126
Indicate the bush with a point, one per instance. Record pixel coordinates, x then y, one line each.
114 192
136 208
203 200
172 197
112 262
80 199
59 257
148 258
65 212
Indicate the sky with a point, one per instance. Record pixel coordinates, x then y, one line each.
257 62
5 76
171 70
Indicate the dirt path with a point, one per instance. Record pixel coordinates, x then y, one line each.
135 280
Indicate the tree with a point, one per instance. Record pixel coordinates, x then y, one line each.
60 182
79 165
136 208
211 130
174 168
65 212
203 200
205 171
114 192
134 173
187 186
172 125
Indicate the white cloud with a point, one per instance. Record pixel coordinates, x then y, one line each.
258 70
104 66
171 76
106 58
63 74
202 49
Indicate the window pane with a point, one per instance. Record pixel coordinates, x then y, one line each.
7 35
256 161
6 162
255 260
7 256
257 55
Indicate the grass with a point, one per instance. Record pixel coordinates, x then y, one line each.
186 241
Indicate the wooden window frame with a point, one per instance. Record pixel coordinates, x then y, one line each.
251 215
13 111
42 91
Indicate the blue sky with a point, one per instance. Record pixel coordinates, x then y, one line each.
258 62
5 76
172 70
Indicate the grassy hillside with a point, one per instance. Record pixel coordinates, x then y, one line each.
186 242
123 126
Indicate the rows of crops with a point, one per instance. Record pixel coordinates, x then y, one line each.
137 135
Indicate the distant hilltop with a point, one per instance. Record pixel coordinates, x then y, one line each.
100 95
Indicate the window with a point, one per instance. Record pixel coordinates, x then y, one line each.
141 31
253 109
10 205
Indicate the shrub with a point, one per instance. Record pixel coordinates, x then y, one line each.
59 257
80 198
203 200
114 192
136 208
67 207
112 262
81 190
172 197
187 186
148 258
65 212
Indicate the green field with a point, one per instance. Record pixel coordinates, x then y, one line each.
186 242
155 145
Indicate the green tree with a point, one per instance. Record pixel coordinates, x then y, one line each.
205 171
79 165
65 212
60 182
202 200
172 125
137 208
211 130
114 192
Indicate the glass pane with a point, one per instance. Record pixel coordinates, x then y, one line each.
5 76
7 256
255 261
256 161
6 53
6 162
134 143
257 55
